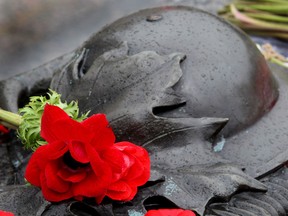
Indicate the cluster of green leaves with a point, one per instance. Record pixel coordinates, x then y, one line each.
259 17
29 129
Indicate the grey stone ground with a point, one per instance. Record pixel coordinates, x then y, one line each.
34 32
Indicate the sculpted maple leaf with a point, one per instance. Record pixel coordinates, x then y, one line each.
133 91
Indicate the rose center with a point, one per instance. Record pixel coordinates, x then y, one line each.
71 162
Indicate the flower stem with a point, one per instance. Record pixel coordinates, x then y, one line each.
264 25
273 8
9 119
264 17
267 17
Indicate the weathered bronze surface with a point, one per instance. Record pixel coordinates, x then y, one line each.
178 81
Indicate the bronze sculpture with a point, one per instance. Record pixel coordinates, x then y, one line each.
176 80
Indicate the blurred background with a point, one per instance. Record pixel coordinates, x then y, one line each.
33 32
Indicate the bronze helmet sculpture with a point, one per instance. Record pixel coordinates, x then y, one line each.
176 80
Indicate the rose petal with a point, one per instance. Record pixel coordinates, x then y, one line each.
117 161
32 173
3 129
56 149
69 129
53 181
35 165
170 212
70 175
91 186
56 125
78 151
52 195
78 198
139 173
99 166
103 134
121 191
187 213
5 213
50 115
97 181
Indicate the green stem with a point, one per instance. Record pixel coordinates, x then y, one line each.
263 1
273 8
264 25
276 61
267 17
10 119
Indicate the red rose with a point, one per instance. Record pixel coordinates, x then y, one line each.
170 212
81 159
4 213
137 172
3 129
